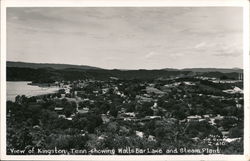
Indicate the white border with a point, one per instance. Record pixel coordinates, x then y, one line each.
246 60
127 3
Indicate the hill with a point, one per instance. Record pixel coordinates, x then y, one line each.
86 67
20 71
47 65
221 70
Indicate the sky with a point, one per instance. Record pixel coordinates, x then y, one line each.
127 37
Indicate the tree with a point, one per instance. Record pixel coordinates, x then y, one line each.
113 111
145 109
69 107
235 132
228 122
93 122
80 123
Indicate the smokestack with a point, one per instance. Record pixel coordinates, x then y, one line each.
240 76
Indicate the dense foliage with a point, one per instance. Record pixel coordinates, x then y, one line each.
120 113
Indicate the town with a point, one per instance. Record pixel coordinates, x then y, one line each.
177 112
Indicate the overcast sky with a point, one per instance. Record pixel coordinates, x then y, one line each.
127 38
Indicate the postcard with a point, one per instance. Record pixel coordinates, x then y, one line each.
124 80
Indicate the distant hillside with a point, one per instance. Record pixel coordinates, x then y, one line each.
222 70
49 74
47 65
80 67
20 71
170 69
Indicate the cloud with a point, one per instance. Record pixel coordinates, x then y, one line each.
154 37
202 44
228 54
151 54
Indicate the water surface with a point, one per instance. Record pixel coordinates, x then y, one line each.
15 88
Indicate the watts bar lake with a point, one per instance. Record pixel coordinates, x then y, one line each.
15 88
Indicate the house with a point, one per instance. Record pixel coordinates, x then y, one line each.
155 105
39 100
183 121
226 81
36 127
59 110
95 92
148 118
233 91
172 85
189 83
62 116
212 119
129 114
225 133
69 118
193 118
139 133
127 119
113 78
143 99
218 117
154 90
102 137
206 116
200 120
83 110
105 90
151 138
195 139
153 117
86 100
238 105
105 118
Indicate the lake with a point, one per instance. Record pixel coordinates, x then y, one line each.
15 88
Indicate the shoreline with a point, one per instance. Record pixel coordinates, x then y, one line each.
42 84
16 88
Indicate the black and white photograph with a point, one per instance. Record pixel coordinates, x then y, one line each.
124 81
